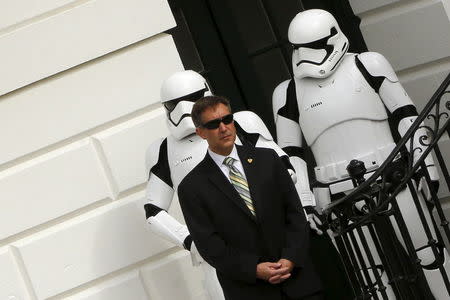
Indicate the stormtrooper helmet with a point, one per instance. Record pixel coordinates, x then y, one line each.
318 42
178 95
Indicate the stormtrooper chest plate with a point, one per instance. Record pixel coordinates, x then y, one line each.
345 95
184 155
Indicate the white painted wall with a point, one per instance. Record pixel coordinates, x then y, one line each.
79 104
414 35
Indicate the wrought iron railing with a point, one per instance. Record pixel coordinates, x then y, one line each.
366 220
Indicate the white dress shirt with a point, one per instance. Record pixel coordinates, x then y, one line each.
218 159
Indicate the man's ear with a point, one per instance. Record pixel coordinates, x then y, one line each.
200 132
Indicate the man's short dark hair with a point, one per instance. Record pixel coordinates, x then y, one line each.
203 104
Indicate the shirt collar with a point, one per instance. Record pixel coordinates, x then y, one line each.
218 159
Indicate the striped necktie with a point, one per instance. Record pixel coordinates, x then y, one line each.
240 183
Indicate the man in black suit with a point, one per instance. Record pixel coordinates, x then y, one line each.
244 214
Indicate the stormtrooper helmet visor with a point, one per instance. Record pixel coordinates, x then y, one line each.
180 108
170 105
316 52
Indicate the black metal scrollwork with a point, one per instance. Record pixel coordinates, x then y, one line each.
370 213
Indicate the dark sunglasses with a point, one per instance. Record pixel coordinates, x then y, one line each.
214 124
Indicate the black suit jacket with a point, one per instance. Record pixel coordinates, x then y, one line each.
232 240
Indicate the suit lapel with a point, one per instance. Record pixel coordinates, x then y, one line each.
218 179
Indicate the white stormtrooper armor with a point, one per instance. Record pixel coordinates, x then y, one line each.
170 159
178 95
338 102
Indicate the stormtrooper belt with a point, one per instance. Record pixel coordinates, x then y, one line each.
337 171
342 186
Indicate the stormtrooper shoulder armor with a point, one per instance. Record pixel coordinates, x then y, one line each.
286 115
152 154
382 78
279 98
159 191
377 65
252 123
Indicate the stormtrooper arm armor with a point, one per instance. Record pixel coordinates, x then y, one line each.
286 117
381 76
302 184
290 137
159 194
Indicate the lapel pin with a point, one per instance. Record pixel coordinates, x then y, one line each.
249 160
